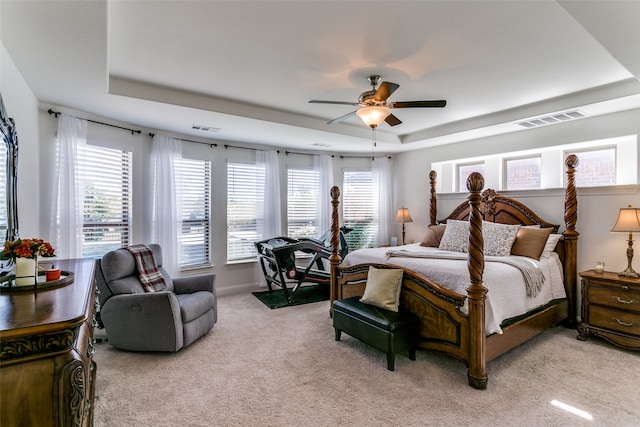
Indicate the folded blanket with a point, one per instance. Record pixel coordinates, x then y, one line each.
150 277
533 276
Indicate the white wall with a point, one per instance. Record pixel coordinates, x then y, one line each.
597 207
22 106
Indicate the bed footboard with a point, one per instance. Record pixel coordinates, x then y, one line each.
442 325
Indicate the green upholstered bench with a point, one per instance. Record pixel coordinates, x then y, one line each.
384 330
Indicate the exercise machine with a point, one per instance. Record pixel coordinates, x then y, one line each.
278 261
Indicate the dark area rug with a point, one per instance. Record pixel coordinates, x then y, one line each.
304 295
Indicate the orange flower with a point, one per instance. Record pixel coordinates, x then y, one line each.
27 248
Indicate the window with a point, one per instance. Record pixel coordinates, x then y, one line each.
194 189
611 161
303 185
245 194
596 167
464 171
106 174
360 207
523 173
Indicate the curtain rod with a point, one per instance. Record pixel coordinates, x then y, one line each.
303 154
364 157
227 146
133 131
247 148
210 144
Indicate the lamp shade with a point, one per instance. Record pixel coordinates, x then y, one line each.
373 115
628 221
403 215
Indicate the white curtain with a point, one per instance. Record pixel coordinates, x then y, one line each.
382 178
67 192
271 211
324 164
165 203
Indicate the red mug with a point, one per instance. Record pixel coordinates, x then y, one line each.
52 275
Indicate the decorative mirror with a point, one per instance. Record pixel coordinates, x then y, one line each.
10 172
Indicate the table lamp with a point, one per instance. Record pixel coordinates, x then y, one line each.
403 216
628 222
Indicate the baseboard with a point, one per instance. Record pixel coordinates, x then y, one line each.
237 289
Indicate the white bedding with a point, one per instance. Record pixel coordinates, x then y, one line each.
507 296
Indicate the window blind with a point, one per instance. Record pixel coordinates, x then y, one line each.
106 175
302 215
194 191
360 207
245 195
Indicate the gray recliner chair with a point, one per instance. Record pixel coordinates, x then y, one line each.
152 321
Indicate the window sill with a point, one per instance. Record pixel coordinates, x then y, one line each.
196 268
241 263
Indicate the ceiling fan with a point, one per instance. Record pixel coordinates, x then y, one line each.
374 107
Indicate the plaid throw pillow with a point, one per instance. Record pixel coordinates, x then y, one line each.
150 277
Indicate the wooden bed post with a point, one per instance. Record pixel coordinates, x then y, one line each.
433 211
571 240
476 292
334 259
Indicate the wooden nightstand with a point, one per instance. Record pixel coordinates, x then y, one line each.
610 308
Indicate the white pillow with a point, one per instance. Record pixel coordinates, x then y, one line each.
498 238
455 237
552 241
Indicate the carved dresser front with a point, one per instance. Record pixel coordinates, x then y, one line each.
47 375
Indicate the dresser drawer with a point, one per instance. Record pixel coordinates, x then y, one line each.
614 297
615 320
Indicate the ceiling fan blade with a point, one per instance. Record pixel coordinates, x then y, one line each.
392 120
418 104
341 118
316 101
385 90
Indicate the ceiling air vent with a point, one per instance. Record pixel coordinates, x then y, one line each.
552 119
206 128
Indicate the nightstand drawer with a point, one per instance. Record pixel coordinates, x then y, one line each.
614 298
615 320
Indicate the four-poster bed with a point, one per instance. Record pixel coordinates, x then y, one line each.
443 323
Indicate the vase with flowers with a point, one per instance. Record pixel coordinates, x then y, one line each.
25 253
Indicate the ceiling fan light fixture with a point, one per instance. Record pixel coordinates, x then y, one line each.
373 115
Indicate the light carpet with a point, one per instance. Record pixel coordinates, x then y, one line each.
262 367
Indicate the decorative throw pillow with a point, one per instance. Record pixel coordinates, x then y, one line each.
550 246
530 242
498 238
455 237
383 288
433 236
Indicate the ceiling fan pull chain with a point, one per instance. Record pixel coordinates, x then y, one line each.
373 147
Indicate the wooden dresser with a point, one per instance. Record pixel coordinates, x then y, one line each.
610 308
47 374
